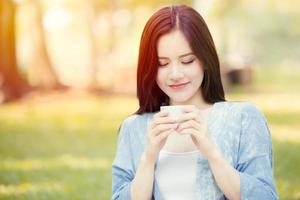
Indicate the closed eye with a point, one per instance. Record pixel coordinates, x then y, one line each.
162 64
188 62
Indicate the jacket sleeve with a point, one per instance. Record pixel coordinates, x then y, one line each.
255 157
122 167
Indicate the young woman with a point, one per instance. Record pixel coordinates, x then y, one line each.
216 149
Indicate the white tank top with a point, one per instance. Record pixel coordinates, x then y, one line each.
176 175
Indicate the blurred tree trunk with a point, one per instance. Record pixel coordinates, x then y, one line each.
12 85
91 8
91 17
112 37
42 73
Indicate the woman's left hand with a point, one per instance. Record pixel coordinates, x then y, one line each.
193 122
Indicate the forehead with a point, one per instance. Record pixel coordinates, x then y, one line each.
173 44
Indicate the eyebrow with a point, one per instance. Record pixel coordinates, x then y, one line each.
183 55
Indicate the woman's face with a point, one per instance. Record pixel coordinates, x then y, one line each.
180 73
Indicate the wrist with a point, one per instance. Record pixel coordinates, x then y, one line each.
148 159
214 156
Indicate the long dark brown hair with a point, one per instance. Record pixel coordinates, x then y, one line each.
194 28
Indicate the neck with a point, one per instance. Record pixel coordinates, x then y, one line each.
196 100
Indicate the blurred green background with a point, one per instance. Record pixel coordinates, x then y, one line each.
67 80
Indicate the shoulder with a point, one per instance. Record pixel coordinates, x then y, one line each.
243 109
135 122
249 116
135 119
134 127
243 113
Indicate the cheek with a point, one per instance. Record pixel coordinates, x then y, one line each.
199 77
160 77
196 72
199 74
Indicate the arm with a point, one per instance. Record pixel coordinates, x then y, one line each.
253 176
122 168
160 128
227 178
126 183
255 157
142 184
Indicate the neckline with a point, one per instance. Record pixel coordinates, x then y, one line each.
169 153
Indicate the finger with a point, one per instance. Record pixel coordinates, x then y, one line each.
189 131
163 127
187 116
164 120
161 114
189 124
162 136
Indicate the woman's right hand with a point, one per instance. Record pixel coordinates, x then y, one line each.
160 128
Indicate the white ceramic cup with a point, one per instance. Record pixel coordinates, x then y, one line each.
174 111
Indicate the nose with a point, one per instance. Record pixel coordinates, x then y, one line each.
175 73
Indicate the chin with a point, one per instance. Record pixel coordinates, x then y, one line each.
180 99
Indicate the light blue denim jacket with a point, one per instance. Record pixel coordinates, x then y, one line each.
241 133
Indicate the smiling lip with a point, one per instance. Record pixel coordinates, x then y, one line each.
178 86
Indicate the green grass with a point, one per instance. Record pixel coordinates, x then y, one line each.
62 147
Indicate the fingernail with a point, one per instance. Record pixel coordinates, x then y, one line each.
178 128
175 126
